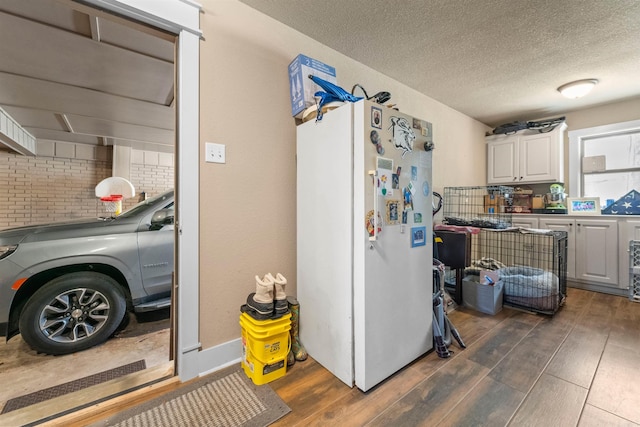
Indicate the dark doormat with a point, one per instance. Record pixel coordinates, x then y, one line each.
71 386
225 398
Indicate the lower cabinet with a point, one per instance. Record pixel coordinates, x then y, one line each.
568 225
597 251
592 248
628 230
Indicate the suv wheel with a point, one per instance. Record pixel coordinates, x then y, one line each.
72 313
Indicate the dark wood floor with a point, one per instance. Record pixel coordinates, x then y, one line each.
580 367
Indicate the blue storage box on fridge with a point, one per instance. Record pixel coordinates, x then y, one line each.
301 87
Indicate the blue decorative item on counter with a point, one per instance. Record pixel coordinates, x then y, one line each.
629 204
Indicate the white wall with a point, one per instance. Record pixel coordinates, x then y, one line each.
617 112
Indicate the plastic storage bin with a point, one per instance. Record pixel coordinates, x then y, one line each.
265 345
484 298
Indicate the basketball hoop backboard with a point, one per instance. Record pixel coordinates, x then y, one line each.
115 185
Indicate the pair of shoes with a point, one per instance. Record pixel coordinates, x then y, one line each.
269 299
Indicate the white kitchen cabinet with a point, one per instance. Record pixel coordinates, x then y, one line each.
592 248
628 230
502 160
597 251
568 225
527 156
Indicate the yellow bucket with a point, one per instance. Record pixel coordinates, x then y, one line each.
265 345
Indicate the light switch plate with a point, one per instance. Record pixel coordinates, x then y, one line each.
215 153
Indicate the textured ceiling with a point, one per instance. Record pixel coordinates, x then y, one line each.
494 60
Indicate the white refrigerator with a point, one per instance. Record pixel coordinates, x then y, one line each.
365 291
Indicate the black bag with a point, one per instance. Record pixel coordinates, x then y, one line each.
512 127
541 126
545 125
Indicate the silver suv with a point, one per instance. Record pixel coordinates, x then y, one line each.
67 286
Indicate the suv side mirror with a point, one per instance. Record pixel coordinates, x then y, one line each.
161 218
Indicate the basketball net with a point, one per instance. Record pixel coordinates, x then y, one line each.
112 203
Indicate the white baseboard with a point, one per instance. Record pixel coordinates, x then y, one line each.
221 356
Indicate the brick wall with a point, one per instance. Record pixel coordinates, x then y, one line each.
150 179
45 189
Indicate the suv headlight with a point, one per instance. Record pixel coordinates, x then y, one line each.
7 250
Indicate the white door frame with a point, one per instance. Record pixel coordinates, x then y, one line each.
180 17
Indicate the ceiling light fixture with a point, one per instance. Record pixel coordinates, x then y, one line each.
577 89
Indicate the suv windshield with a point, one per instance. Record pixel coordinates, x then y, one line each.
145 204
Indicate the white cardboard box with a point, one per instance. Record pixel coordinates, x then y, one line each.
301 86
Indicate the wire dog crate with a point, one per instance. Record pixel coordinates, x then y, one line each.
634 270
531 264
484 207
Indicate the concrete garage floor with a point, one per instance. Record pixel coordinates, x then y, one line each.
24 371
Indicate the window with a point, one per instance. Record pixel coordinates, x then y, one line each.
605 161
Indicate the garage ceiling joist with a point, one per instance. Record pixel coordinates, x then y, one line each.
74 76
13 136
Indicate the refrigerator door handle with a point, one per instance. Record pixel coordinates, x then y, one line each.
374 174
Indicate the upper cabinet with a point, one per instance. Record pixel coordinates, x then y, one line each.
527 156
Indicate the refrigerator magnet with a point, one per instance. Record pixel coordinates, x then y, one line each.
412 188
427 129
408 200
376 117
374 136
384 163
417 217
385 166
395 178
382 184
370 223
418 236
404 217
393 212
403 135
429 146
425 188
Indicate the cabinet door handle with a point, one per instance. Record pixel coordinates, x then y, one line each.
520 178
